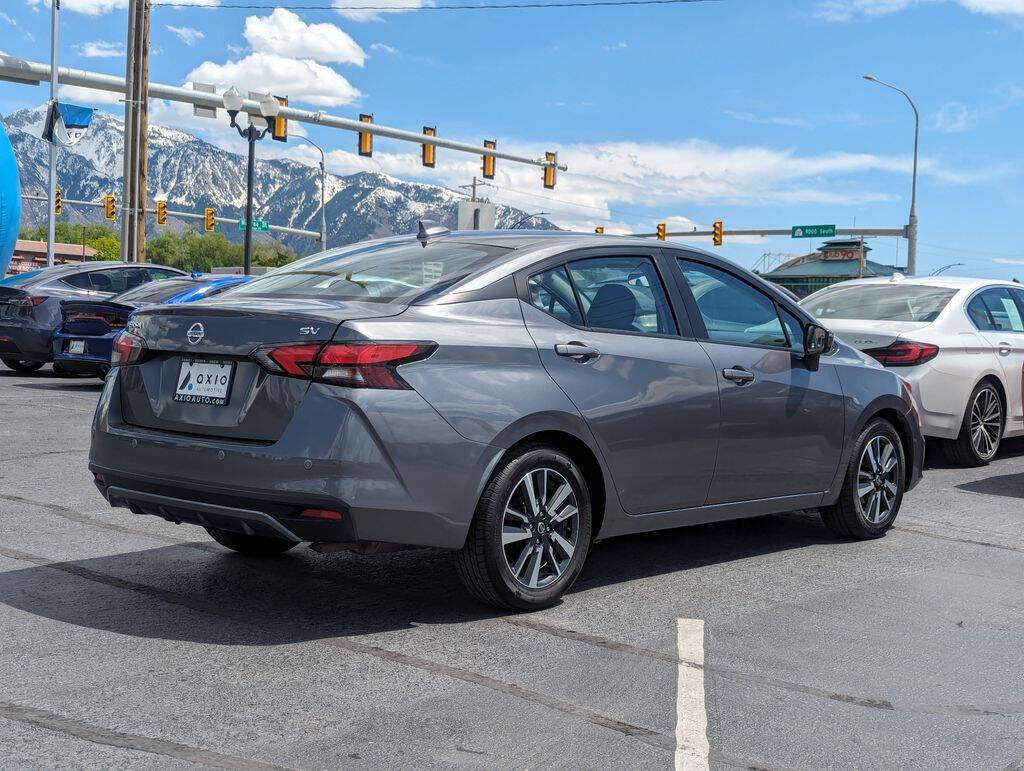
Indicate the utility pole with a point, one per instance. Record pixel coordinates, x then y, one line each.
129 134
142 105
473 198
52 217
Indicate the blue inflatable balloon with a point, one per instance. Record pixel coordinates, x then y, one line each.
10 201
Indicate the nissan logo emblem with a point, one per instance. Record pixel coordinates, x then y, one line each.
195 333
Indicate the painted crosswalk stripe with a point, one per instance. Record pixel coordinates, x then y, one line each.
691 714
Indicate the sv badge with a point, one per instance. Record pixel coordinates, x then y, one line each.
308 330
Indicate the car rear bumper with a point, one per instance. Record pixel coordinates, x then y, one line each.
94 361
24 341
385 460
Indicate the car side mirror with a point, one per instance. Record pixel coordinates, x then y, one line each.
817 340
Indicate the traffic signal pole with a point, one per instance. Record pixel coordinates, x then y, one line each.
51 222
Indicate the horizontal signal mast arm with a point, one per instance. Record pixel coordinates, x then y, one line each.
25 71
778 232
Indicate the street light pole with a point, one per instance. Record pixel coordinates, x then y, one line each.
268 108
912 222
525 217
323 193
51 220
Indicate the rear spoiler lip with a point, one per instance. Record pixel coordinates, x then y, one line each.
67 306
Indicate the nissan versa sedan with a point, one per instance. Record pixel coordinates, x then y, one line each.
30 304
511 396
958 342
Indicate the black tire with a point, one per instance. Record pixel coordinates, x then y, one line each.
484 564
251 545
21 365
853 515
962 450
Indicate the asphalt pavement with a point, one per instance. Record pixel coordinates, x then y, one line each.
132 642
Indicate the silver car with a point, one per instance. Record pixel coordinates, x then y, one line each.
510 396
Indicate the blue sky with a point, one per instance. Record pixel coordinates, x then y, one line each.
750 112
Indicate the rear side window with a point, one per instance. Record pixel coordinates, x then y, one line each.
622 294
98 280
381 272
552 293
732 310
994 310
880 302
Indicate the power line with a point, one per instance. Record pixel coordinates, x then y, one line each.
441 7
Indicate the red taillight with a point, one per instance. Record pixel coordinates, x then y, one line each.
28 302
110 320
904 353
356 365
128 349
320 514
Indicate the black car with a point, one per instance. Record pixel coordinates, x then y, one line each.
30 304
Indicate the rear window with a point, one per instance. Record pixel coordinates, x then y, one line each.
155 291
881 302
388 272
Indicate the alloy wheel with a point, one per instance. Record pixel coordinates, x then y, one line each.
986 423
878 479
540 528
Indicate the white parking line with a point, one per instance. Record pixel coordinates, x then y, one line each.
691 714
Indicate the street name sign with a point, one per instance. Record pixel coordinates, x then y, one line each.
814 231
263 225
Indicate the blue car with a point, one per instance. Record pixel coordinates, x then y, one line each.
82 344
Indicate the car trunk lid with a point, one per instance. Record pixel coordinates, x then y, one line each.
85 317
865 335
199 376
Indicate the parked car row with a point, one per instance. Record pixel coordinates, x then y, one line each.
70 314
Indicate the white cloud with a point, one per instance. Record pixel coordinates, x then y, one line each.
846 10
283 33
8 19
384 48
88 96
101 49
953 118
187 35
361 10
1007 261
620 46
302 80
780 120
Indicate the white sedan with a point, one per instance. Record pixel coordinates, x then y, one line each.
958 342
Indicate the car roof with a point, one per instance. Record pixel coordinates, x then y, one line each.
947 282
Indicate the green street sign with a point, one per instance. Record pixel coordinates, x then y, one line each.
263 225
814 231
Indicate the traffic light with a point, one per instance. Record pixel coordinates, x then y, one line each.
365 138
57 203
209 220
661 231
599 229
110 207
717 230
490 144
550 170
279 125
429 151
161 213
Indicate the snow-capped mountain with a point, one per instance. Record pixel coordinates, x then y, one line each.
191 174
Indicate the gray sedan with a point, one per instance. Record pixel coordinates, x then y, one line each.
511 396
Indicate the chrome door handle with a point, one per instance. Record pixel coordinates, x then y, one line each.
1005 349
738 375
578 351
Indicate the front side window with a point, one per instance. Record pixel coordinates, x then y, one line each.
552 293
382 272
994 310
732 310
622 294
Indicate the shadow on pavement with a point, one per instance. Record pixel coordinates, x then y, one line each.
935 459
212 596
77 384
1009 485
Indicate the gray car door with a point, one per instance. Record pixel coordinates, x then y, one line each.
782 415
606 333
